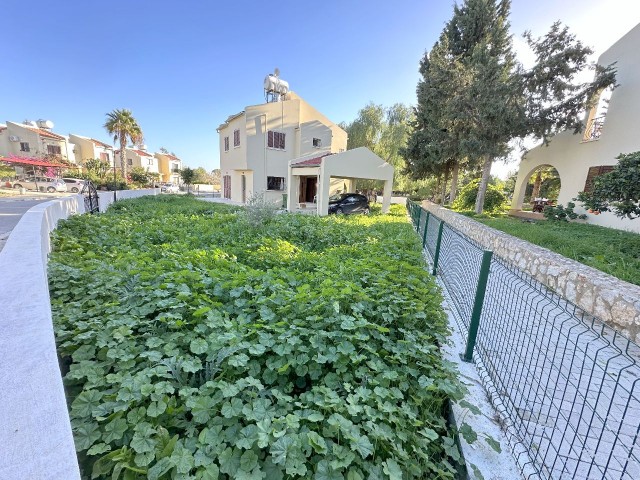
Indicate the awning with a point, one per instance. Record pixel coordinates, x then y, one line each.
36 162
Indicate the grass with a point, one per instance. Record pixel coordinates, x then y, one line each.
612 251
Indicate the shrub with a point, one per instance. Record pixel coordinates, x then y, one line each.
200 347
559 213
494 200
258 210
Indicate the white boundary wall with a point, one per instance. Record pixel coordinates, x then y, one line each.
35 434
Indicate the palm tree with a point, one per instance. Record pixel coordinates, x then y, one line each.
123 127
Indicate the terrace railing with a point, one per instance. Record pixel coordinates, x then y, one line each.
566 384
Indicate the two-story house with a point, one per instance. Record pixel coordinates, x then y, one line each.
610 129
257 144
169 166
35 139
139 157
88 148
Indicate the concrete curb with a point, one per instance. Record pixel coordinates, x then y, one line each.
35 433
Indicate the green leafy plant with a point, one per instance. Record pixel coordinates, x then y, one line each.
494 200
560 213
197 346
617 191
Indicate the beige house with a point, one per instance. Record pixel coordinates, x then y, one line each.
88 148
168 165
611 129
34 139
139 157
313 178
257 144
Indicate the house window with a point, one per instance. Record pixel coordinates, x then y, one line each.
129 162
595 172
275 140
275 183
317 142
226 144
149 161
175 167
24 147
226 182
104 157
236 138
54 150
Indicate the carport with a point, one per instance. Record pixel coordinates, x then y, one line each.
313 178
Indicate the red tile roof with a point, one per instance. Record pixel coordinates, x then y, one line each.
141 153
44 133
170 156
311 162
100 144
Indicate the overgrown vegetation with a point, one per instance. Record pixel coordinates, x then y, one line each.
198 346
494 200
612 251
560 213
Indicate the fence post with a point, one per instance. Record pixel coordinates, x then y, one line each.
424 234
436 256
477 305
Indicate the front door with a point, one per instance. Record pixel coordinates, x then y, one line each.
244 188
311 190
226 186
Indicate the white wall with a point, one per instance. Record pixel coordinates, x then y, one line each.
36 441
572 157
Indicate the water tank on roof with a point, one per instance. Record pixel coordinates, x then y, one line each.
274 84
48 124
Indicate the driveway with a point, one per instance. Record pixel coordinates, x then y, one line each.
13 207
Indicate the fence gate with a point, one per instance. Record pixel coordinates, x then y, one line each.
91 199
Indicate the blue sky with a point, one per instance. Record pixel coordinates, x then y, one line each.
182 67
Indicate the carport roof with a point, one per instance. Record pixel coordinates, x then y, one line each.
310 162
30 161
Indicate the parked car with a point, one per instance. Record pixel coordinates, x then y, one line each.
169 188
42 184
74 185
348 203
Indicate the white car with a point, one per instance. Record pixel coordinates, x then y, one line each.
74 185
169 188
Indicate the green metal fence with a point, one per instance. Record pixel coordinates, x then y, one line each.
567 385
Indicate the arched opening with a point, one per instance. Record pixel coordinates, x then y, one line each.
538 188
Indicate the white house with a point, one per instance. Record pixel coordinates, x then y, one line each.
611 129
257 144
169 166
139 157
88 148
35 139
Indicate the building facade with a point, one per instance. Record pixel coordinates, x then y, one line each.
609 131
169 167
88 148
257 144
139 157
35 140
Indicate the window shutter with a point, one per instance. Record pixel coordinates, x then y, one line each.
282 141
595 172
270 139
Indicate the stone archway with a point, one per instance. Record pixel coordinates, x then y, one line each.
524 179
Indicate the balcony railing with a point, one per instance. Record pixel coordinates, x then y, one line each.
594 129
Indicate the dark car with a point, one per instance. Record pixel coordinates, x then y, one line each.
348 203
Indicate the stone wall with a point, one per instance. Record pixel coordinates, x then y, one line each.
615 302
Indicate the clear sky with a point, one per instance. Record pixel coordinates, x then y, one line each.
183 66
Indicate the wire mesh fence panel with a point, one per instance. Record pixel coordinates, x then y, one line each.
432 235
568 384
459 268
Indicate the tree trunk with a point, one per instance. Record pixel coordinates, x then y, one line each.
536 186
454 182
123 162
484 181
444 184
437 194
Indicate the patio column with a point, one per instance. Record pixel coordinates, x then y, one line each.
386 195
324 184
293 190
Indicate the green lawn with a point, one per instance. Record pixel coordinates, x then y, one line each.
613 251
199 344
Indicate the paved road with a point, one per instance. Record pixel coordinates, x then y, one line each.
12 209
